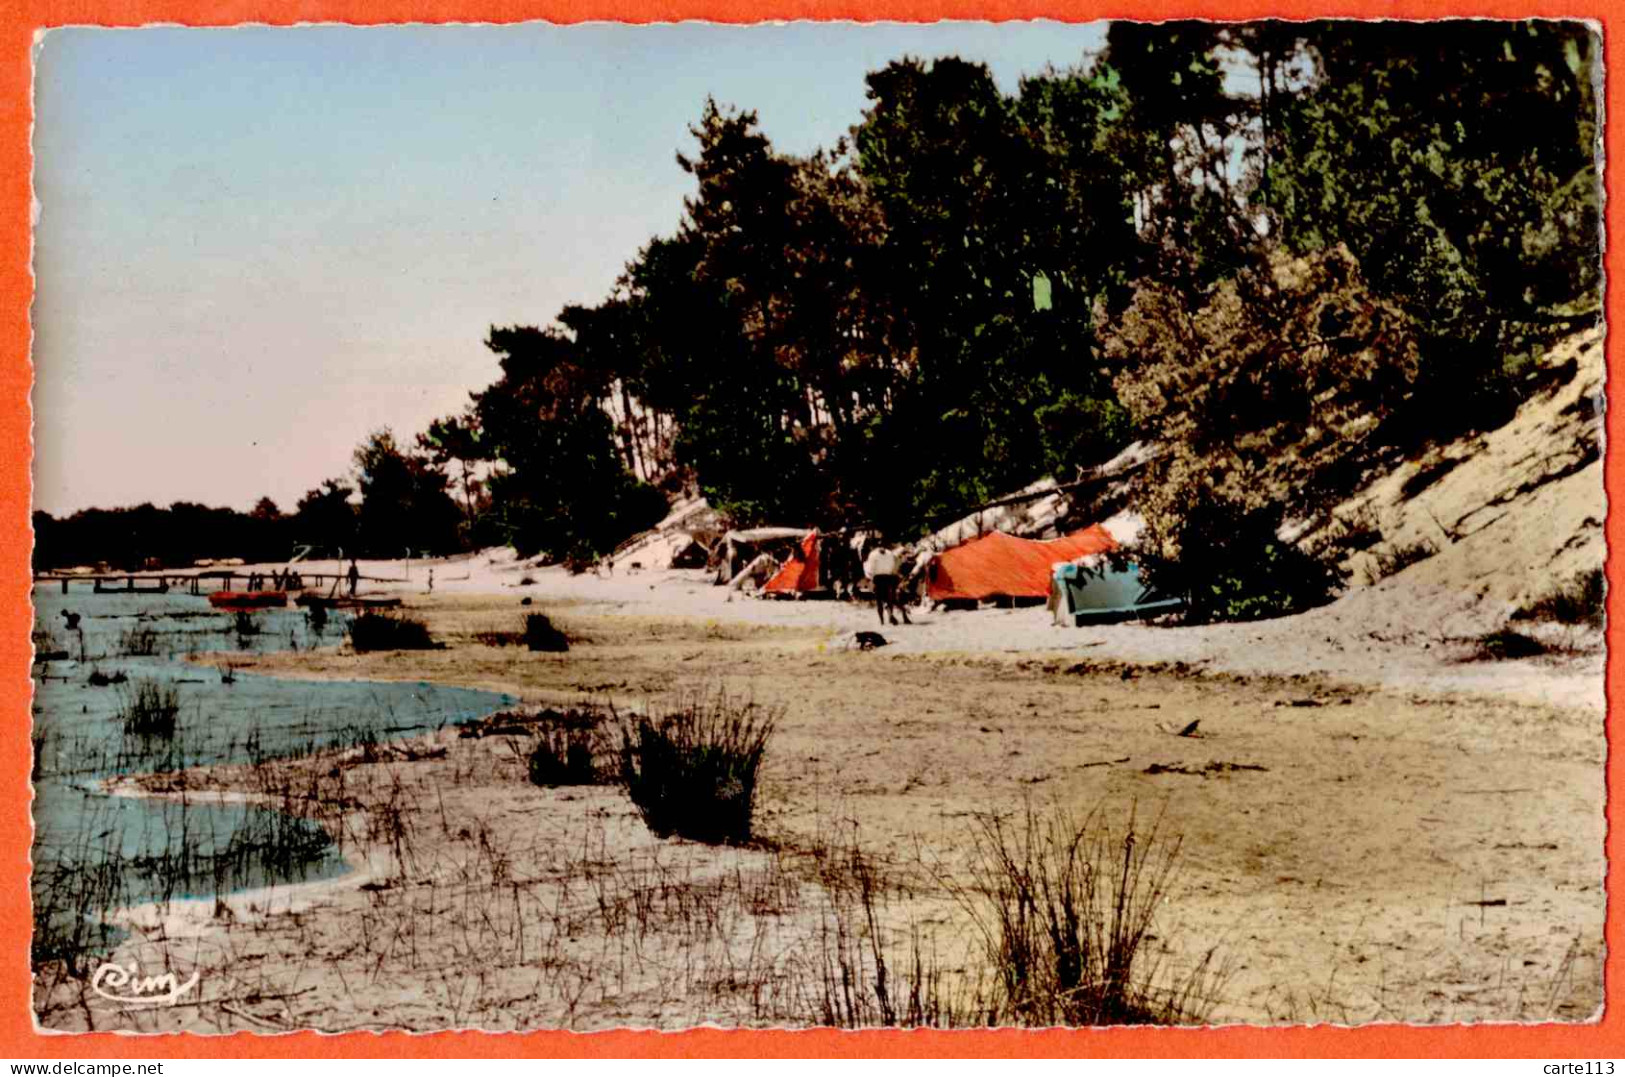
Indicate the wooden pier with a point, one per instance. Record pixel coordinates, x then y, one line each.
195 582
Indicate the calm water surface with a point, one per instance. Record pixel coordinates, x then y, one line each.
148 849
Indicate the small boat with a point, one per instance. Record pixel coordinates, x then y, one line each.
248 600
346 603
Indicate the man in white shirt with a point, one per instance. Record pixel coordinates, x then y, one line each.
881 567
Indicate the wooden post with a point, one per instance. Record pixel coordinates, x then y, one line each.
64 585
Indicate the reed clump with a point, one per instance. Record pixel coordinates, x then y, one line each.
140 641
567 750
1065 908
691 767
150 710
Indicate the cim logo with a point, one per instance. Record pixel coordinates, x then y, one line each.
124 984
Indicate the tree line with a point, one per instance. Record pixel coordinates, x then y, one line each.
397 499
1275 244
974 288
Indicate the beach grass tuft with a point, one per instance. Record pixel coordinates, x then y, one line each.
691 766
386 632
542 635
1065 907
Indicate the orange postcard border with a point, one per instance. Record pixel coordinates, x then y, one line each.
18 1039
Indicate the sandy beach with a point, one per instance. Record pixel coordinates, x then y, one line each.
1368 829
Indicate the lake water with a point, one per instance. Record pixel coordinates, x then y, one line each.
94 849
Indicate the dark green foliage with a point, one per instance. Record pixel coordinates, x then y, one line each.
908 323
324 517
1080 431
541 635
458 439
404 503
1580 601
563 489
933 311
389 632
146 536
1457 161
1233 566
691 766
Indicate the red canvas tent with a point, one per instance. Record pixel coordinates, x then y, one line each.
997 565
800 573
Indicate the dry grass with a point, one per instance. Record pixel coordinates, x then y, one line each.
1396 557
1579 601
568 749
1065 907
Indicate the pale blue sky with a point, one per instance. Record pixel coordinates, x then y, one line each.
255 245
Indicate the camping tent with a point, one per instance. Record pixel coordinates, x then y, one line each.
738 548
997 565
800 572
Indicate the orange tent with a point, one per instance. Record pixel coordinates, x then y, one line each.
997 565
800 573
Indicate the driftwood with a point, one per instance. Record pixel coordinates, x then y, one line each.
758 565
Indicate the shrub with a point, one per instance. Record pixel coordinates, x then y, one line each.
1580 601
1065 909
150 711
566 752
691 771
1267 395
540 635
383 632
1230 565
499 638
1507 643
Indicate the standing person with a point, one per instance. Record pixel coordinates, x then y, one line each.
881 568
353 576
